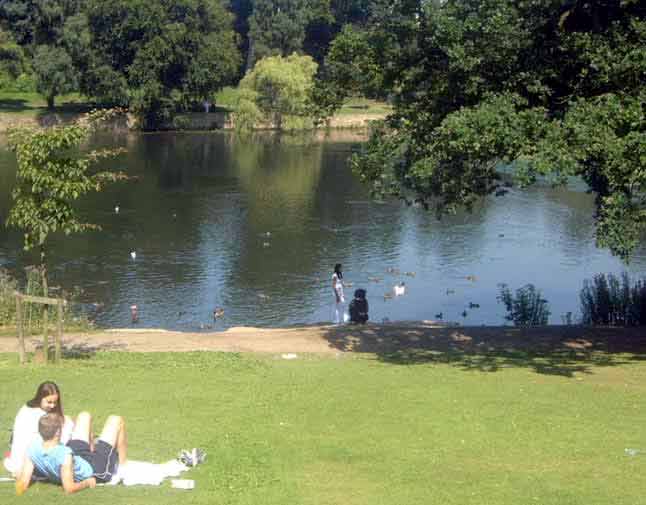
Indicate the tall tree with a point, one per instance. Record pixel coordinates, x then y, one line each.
242 10
37 22
12 56
164 54
279 27
55 73
553 86
38 25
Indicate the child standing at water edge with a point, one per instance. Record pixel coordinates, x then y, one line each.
337 287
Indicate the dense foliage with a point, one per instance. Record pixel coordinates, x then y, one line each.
156 56
554 86
525 307
276 92
609 300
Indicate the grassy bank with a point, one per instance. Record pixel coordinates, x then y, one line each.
33 104
31 109
354 430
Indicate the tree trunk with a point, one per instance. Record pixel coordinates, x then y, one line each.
43 271
43 274
50 102
250 56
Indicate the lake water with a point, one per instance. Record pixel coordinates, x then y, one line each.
255 227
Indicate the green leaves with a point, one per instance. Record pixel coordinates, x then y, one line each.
52 174
478 83
277 91
158 57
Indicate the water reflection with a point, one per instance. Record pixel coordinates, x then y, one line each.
255 227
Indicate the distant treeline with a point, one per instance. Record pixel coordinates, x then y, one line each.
157 56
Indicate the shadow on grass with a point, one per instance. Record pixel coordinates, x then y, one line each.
77 351
14 105
552 350
18 105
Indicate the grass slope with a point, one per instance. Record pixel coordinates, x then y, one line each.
33 104
354 430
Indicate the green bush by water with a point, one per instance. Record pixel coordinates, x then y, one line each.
526 307
610 300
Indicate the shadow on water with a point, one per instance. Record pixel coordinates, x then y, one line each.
552 350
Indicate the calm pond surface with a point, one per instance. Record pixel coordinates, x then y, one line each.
255 227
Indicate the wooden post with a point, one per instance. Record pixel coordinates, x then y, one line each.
45 335
21 336
59 334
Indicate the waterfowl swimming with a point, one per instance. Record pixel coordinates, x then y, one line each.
450 292
464 313
218 312
474 305
471 278
411 274
388 296
391 270
399 289
133 255
116 209
439 316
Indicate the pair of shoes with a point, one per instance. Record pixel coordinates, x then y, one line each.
193 457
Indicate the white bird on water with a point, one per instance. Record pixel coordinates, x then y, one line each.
399 289
133 255
116 209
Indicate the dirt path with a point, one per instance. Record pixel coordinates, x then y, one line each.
382 339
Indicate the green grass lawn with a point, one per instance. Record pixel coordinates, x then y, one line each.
227 99
364 106
356 430
33 104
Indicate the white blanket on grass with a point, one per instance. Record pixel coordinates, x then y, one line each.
138 473
133 473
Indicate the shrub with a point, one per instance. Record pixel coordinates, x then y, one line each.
526 307
25 83
7 299
33 313
612 301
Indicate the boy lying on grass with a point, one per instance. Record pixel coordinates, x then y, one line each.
79 464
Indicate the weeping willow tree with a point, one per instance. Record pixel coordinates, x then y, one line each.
276 93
